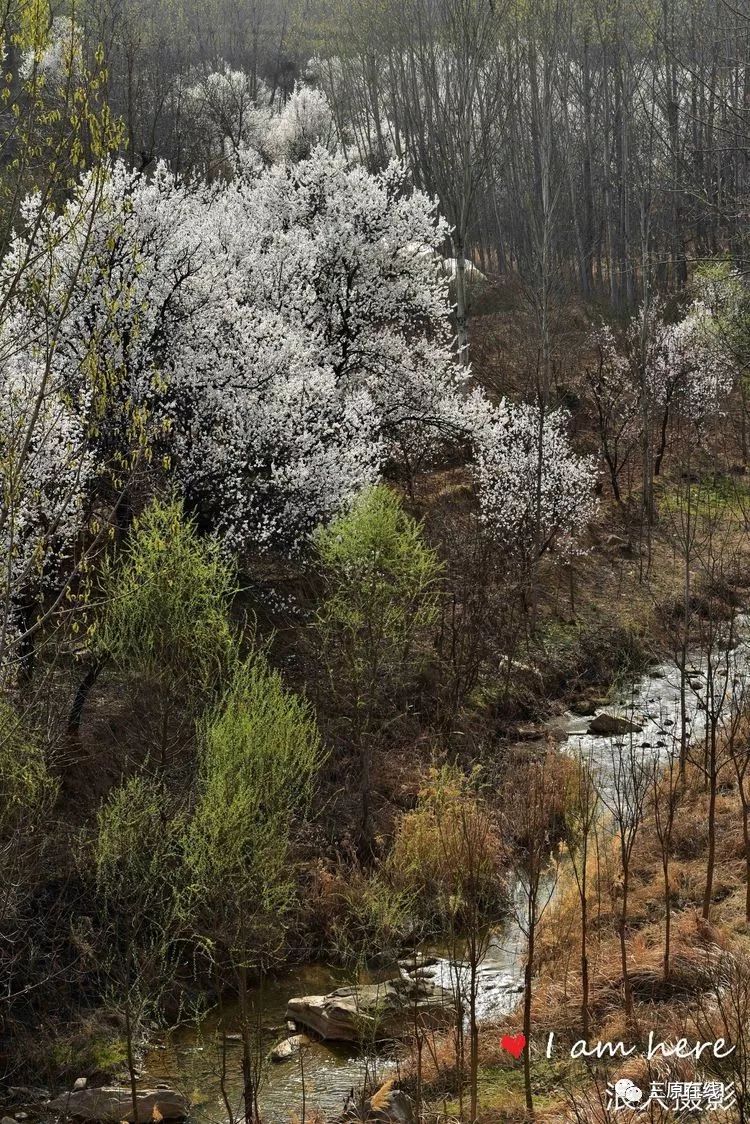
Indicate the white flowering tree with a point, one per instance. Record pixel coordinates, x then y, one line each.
676 367
267 339
535 493
223 111
227 113
271 343
304 123
664 369
46 466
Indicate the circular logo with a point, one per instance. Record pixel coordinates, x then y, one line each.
626 1090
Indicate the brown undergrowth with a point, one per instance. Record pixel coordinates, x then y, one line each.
704 996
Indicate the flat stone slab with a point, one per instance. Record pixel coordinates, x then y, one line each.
113 1103
390 1009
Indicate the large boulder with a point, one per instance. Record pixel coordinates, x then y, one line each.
609 726
113 1103
390 1009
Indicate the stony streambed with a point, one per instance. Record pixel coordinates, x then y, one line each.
323 1075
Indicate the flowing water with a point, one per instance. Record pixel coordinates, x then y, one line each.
324 1074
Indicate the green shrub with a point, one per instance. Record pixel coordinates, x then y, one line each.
259 754
380 601
447 853
26 785
165 623
167 601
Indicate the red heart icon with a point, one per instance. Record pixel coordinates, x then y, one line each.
514 1044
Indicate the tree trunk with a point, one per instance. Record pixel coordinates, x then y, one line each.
584 960
667 916
81 697
131 1062
528 975
711 859
473 1040
623 926
462 314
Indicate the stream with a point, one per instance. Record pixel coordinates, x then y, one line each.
325 1073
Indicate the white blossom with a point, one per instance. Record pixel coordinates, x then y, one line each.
273 341
679 364
44 473
534 491
305 122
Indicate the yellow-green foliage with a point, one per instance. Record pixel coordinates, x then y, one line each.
716 498
260 752
166 604
134 843
89 1048
60 126
376 917
447 850
26 786
381 587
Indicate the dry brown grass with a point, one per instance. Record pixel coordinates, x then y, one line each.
682 1005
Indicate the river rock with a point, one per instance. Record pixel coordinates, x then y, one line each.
28 1094
387 1106
417 961
80 1083
609 726
113 1103
583 708
289 1047
528 734
618 545
388 1009
421 973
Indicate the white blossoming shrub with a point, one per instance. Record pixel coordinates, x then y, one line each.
685 364
127 261
223 111
535 492
228 114
267 334
305 122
